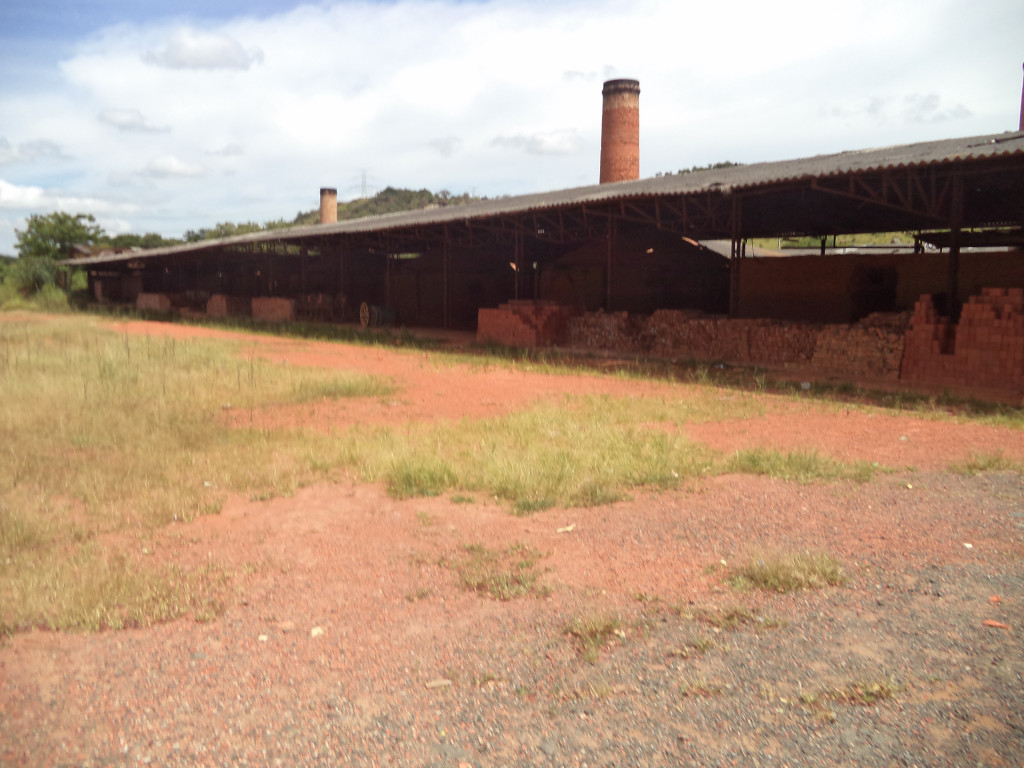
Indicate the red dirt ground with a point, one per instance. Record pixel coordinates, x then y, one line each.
408 669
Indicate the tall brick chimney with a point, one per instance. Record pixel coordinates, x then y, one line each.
620 131
328 205
1021 126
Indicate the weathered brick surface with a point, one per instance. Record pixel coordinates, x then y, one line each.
985 349
524 323
221 305
600 330
273 309
153 302
871 348
688 334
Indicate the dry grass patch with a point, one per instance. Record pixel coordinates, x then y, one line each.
592 632
788 572
503 574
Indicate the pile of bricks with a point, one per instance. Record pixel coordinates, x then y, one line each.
600 330
273 309
153 302
524 323
674 333
871 348
220 305
985 350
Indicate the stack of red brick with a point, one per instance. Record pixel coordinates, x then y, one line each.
676 333
524 323
154 302
273 309
872 348
222 305
605 330
986 348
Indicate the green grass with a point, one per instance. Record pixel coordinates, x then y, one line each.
788 572
503 574
797 466
106 433
575 452
986 462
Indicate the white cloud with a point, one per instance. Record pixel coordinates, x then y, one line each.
169 166
266 110
445 146
128 120
228 150
195 49
35 199
554 143
30 151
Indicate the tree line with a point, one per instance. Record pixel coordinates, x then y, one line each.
51 237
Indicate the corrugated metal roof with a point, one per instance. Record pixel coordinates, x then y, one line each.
724 180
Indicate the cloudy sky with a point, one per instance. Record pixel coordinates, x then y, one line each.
169 115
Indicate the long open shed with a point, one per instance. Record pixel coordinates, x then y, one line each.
632 246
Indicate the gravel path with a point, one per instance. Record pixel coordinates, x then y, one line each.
452 678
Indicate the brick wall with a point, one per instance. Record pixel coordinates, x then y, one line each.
871 348
844 288
686 334
221 305
524 323
153 302
273 309
984 350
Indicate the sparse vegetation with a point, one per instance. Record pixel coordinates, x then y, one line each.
798 466
728 619
788 572
592 632
700 687
986 462
503 574
865 692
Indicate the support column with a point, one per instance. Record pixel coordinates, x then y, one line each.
608 266
736 253
446 250
956 218
518 259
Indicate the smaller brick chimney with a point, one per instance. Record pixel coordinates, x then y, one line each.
328 205
620 131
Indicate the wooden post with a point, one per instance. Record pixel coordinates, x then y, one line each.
446 248
956 218
736 252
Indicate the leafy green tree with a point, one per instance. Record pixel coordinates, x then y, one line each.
148 240
31 274
53 235
46 239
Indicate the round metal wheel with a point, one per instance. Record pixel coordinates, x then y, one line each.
364 314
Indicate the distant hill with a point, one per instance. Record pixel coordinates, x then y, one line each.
388 200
